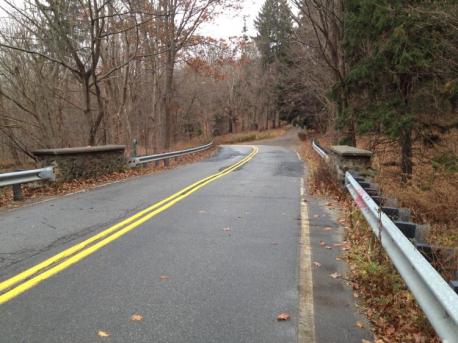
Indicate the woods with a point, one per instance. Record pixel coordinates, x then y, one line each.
106 72
366 67
98 72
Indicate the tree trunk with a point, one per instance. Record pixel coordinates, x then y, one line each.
9 133
168 120
100 115
87 106
406 153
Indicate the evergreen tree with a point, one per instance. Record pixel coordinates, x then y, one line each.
275 29
395 50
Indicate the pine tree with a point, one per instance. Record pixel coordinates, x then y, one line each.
275 27
396 76
275 30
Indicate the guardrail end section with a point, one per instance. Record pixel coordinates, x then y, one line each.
132 163
47 174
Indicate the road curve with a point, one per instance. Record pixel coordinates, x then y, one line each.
217 266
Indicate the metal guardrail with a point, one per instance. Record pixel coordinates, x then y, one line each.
25 176
319 150
134 161
16 179
437 299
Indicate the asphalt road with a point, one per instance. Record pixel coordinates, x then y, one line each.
217 266
229 252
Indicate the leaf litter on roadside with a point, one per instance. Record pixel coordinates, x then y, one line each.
101 333
283 317
359 324
82 185
136 317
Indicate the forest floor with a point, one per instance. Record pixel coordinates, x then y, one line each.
40 191
431 196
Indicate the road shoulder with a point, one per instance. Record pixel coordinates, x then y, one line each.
336 313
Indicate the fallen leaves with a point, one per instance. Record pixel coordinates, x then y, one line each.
323 244
317 264
164 277
359 324
335 275
103 334
136 317
283 317
327 228
82 185
376 284
394 316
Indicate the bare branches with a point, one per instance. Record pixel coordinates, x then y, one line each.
50 59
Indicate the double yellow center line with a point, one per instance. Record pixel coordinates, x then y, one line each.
25 280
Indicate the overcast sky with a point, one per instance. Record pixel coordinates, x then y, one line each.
232 24
224 26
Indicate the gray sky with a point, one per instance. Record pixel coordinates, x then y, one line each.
226 25
231 24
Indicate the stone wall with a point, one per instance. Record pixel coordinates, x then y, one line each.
83 162
344 158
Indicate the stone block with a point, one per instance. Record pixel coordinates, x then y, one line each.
83 162
344 158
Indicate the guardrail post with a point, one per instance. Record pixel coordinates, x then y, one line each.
17 192
134 147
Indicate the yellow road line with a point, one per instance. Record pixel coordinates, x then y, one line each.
72 250
153 210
